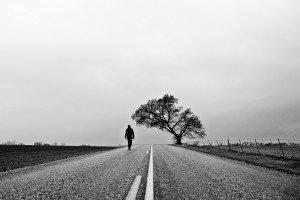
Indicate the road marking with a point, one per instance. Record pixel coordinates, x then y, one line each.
149 187
134 188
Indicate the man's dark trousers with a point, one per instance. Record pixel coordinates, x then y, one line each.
129 142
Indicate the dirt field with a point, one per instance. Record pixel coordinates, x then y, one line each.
19 156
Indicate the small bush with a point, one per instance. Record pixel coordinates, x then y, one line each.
4 169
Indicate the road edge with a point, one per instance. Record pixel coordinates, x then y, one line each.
241 160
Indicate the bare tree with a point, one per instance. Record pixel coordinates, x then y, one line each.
38 144
165 114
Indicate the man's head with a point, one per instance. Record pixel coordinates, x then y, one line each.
129 126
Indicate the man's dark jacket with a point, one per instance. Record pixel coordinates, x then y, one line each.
129 134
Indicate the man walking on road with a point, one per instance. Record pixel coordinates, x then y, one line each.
129 134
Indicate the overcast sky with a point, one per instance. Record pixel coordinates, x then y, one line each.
74 71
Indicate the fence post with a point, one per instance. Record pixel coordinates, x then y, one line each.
290 144
241 146
218 145
228 144
257 147
280 147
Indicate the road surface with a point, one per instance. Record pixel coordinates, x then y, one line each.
178 174
104 175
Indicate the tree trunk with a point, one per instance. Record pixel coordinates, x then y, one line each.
178 138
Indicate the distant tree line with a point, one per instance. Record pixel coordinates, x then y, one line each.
11 143
46 144
36 143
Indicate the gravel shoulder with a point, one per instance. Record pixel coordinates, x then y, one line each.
287 165
185 174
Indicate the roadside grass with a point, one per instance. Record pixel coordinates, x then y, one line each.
288 165
19 156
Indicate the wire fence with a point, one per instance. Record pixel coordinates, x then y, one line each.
271 147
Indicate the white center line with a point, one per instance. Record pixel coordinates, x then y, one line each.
134 188
149 188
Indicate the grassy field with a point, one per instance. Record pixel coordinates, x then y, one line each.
19 156
274 150
268 147
288 165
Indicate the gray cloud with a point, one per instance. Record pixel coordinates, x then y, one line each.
75 71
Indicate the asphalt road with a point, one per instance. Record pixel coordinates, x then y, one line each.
105 175
178 174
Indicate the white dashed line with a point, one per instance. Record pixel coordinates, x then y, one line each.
134 188
149 187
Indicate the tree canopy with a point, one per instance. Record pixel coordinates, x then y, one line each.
166 115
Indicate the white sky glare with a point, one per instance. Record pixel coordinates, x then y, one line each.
75 71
